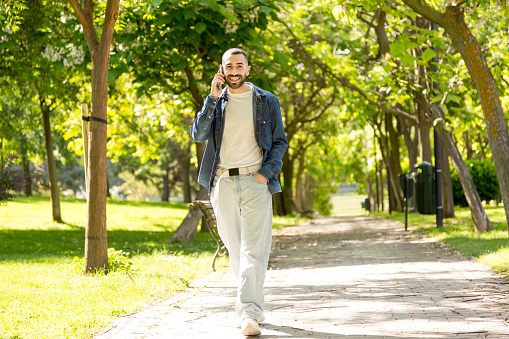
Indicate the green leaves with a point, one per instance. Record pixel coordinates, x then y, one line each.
7 44
337 11
401 50
200 27
163 20
11 13
222 9
454 98
189 14
265 9
181 65
180 35
403 47
428 55
282 59
208 3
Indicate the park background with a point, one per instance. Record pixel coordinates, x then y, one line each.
366 89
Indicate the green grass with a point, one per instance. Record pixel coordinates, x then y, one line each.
279 222
43 294
347 204
490 248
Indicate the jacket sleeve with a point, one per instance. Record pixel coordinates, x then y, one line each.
274 163
201 127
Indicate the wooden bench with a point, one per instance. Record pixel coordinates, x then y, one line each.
210 219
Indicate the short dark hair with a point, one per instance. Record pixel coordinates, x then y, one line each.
235 51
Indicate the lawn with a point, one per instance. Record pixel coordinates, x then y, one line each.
43 291
490 248
347 204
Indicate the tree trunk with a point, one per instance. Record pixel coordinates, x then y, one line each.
482 145
108 193
298 198
448 201
52 168
468 145
309 193
96 243
190 223
377 186
187 229
277 203
185 166
384 150
165 193
467 45
381 167
370 194
411 145
481 221
423 124
287 184
390 193
393 162
405 126
424 130
27 178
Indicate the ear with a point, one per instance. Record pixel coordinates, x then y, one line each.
248 70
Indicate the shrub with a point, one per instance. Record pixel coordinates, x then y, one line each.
485 179
118 261
10 180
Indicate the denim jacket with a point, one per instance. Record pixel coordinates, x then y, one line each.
269 134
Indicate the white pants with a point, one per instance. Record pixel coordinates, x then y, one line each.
243 208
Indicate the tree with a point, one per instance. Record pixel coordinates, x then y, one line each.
453 22
422 90
148 137
38 58
416 73
176 47
18 126
451 18
309 97
96 244
10 180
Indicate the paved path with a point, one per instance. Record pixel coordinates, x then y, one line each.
343 278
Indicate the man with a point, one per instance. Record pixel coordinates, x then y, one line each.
246 142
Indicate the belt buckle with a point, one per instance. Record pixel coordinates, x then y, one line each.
233 172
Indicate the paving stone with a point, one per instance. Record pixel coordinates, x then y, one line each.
355 277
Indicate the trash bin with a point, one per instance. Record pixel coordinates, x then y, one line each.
366 204
425 190
406 181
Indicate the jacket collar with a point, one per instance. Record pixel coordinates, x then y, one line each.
256 90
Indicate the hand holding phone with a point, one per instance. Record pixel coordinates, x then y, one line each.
217 83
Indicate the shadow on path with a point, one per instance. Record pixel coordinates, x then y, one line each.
344 278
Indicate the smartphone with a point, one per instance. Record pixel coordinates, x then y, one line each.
220 72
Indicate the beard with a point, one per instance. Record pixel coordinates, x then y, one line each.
239 84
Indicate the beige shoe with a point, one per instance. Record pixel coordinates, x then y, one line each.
250 327
261 320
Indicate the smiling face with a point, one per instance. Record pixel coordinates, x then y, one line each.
236 70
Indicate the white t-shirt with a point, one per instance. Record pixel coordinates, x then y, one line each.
239 148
